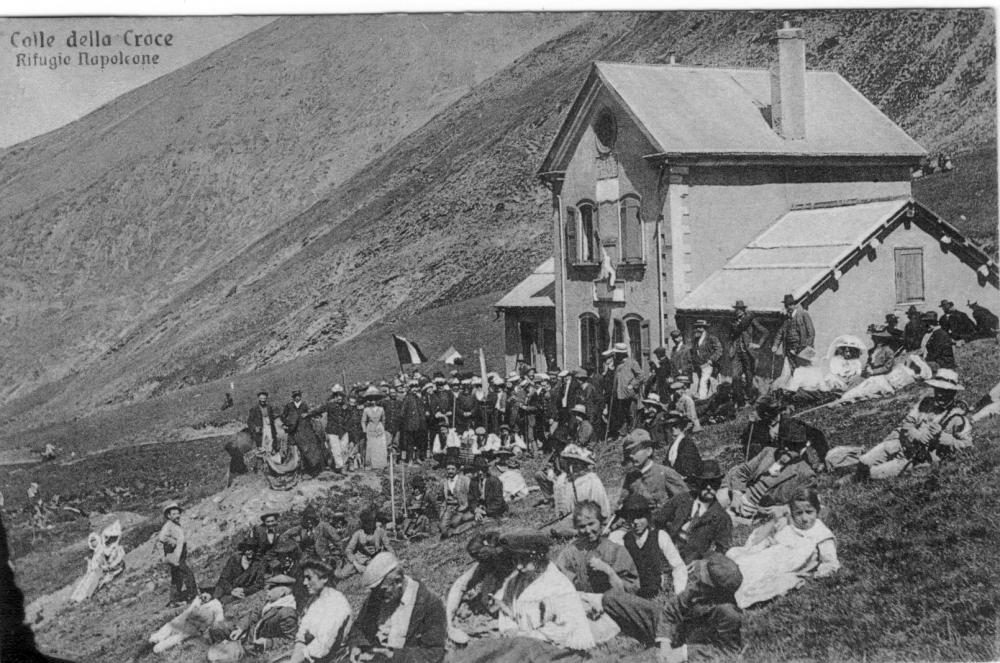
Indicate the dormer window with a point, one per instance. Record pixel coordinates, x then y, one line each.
606 131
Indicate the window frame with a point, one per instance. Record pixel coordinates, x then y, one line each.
636 341
583 238
622 216
590 318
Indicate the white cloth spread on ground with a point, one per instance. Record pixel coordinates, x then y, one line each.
776 553
191 623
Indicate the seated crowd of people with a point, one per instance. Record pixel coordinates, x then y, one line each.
658 563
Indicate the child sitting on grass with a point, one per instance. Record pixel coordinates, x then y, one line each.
366 542
780 554
422 511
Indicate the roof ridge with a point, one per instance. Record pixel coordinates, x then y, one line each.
706 67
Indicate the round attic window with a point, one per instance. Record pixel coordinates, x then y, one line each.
606 130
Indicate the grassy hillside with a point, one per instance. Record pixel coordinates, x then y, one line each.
919 553
258 246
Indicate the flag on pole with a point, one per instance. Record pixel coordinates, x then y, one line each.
451 356
408 351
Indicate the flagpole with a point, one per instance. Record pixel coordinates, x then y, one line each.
392 493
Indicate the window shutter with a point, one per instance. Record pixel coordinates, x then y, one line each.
631 230
571 245
644 327
909 275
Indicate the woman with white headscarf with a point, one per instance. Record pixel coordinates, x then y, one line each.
400 619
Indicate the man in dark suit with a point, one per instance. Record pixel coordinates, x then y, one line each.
695 521
264 536
682 453
260 421
486 492
958 325
939 346
913 332
568 396
746 334
412 424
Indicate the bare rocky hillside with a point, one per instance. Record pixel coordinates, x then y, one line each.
282 195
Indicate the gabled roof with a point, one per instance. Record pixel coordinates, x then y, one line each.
702 111
804 248
536 291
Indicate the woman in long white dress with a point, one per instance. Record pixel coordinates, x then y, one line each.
373 423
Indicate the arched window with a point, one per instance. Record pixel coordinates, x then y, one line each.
588 232
631 230
590 340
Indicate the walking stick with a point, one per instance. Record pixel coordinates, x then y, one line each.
403 488
746 453
392 492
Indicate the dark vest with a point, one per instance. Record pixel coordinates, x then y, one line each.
648 561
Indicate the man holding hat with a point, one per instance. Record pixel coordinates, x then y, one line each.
796 332
937 346
183 587
704 615
746 334
657 483
400 620
935 428
706 351
695 520
338 419
627 381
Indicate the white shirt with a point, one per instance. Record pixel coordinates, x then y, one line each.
325 622
672 451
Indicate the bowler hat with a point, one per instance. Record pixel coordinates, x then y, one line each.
710 471
660 351
297 392
788 300
912 310
676 333
700 323
269 515
929 316
739 304
945 303
676 419
635 505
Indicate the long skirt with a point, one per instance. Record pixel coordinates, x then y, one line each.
376 450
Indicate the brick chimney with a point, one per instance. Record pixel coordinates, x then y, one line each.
788 85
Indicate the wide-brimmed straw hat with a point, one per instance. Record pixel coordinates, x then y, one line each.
576 452
616 349
946 378
372 392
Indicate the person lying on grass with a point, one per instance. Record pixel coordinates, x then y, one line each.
242 575
537 600
703 622
474 588
780 554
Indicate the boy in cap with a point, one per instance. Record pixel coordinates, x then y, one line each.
703 615
183 587
277 621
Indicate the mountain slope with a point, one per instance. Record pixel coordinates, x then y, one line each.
453 209
108 218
